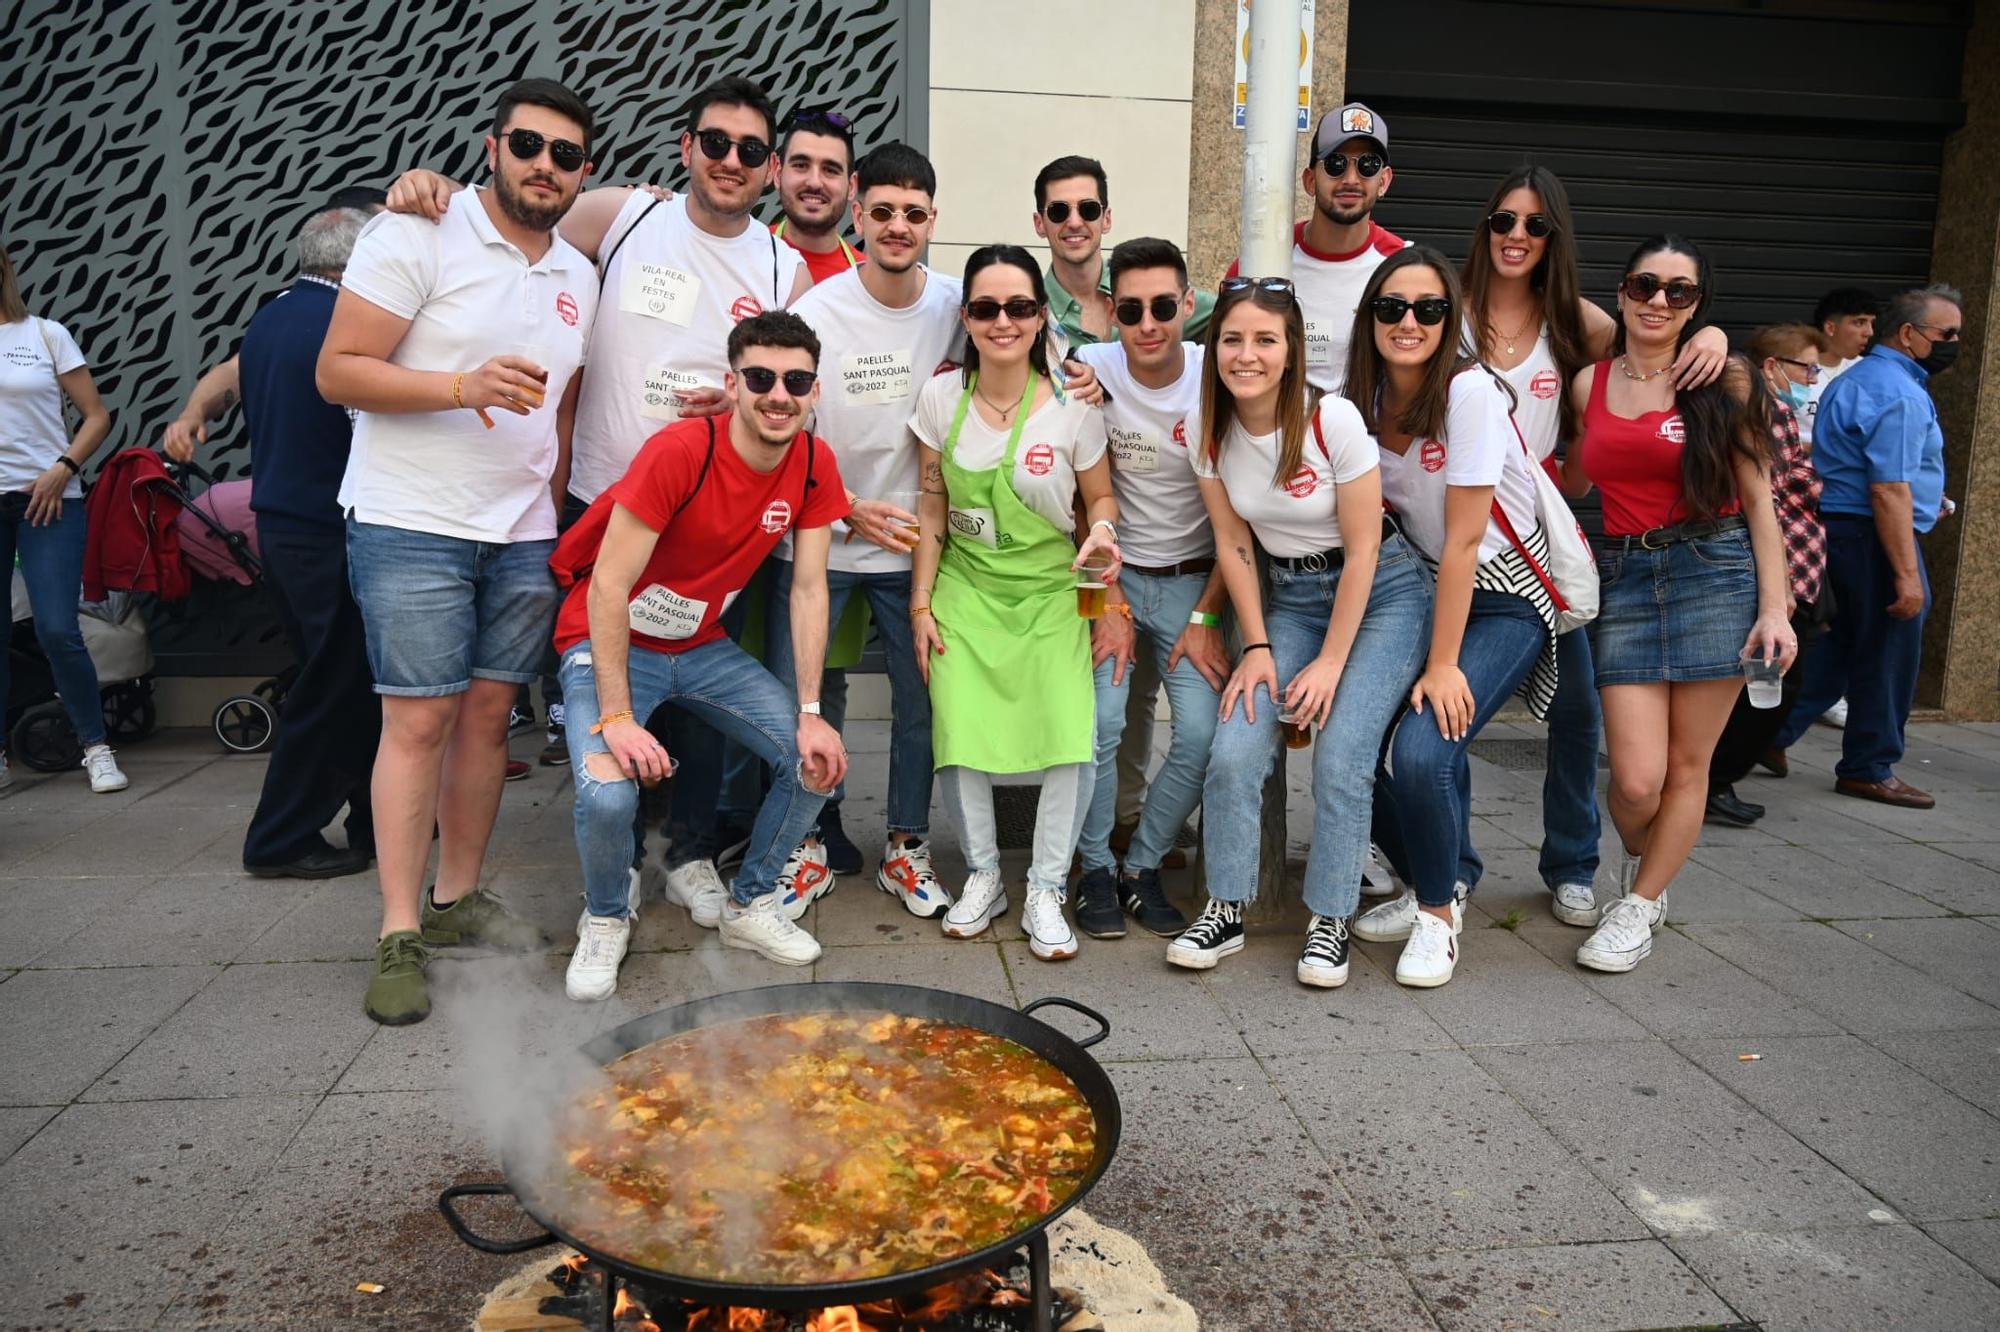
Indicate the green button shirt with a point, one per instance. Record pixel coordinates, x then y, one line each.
1067 311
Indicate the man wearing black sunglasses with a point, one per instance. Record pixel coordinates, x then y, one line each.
1073 214
815 170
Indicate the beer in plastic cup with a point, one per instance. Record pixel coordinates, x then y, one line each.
1764 680
673 766
1090 587
1298 732
537 355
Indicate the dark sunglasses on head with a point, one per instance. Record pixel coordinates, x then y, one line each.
1131 310
1806 368
1275 286
715 146
1366 165
915 214
1502 222
985 310
1057 210
527 145
1640 287
1429 309
807 119
762 379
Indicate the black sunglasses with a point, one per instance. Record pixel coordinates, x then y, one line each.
985 310
915 214
1365 166
1276 286
715 146
1502 222
1131 310
1938 332
1429 309
1057 210
762 379
527 145
1640 287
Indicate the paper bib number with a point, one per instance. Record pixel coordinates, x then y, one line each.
660 400
659 292
976 525
661 612
877 377
1134 451
1319 342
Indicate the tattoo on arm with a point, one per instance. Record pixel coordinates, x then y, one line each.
1243 554
934 472
228 399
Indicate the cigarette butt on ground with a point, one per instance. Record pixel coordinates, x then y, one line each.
370 1287
1748 1059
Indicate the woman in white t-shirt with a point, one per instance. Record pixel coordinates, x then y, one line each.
993 605
1338 643
41 509
1457 476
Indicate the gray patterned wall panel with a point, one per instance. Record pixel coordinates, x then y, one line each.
163 152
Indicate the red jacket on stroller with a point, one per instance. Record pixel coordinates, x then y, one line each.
134 545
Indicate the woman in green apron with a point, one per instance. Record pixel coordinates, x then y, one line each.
993 601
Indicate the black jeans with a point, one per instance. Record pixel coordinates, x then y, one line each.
1750 731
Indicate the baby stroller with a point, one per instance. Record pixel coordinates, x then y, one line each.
114 632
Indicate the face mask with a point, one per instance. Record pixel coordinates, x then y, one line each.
1941 357
1796 396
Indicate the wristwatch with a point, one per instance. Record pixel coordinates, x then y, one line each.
810 709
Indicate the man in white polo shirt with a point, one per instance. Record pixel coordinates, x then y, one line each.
459 346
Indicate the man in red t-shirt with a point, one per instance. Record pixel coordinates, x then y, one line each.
650 568
815 180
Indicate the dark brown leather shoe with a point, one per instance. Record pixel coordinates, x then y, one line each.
1774 762
1894 791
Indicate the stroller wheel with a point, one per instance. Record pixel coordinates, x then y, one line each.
129 713
245 724
44 740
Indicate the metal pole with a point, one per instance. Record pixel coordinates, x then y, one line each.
1270 138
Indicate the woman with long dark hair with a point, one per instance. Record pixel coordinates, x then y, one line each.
1693 576
1460 482
1339 641
993 606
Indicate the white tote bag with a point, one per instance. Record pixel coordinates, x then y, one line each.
1571 576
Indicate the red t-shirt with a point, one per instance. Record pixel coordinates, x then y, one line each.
710 549
1635 463
832 263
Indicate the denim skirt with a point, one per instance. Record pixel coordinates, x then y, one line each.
1674 615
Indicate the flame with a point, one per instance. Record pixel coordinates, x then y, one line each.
625 1305
575 1262
837 1318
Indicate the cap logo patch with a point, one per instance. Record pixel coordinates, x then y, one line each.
1357 120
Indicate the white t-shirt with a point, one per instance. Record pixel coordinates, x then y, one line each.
1329 287
1828 372
1063 437
1538 389
1480 448
1302 516
32 435
1161 519
872 362
671 295
470 295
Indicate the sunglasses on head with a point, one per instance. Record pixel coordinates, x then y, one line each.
762 379
1275 286
915 214
985 310
1366 165
1502 222
1640 287
527 145
1131 310
1429 309
807 119
715 146
1057 210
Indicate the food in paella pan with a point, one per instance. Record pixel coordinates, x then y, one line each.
806 1148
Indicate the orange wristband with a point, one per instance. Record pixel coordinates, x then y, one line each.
603 722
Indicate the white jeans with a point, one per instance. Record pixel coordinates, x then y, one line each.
1065 800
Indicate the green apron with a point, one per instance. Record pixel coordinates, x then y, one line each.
1012 692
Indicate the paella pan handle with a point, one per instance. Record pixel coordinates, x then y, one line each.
1103 1026
472 1237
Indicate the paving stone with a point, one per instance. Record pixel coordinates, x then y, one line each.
1577 1286
219 781
63 1029
1836 884
1966 1063
1930 1155
41 913
1984 853
1954 951
20 1123
973 968
1440 1156
1844 979
1177 1017
176 920
1676 1146
1977 1242
1260 994
334 920
1504 992
1830 1280
31 832
1933 874
132 841
1959 818
857 912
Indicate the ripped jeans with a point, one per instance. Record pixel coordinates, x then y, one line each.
724 686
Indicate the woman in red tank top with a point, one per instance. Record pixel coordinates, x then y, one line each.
1692 572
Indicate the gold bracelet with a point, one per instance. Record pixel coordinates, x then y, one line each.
458 390
615 717
915 611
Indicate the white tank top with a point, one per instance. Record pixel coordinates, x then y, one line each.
1538 388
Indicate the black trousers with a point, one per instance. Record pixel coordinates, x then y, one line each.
1750 731
325 750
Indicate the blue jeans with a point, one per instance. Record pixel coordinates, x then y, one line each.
1161 605
52 567
1388 652
1822 674
1423 795
724 686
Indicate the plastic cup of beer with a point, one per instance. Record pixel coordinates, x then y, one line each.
673 766
1764 680
1090 585
1296 730
907 501
538 356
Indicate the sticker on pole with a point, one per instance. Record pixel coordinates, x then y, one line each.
1305 63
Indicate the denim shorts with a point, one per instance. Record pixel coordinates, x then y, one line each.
442 611
1675 615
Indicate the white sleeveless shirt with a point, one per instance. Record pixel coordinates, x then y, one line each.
1538 389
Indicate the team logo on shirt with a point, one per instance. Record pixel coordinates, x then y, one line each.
1304 482
566 308
1544 384
1040 460
1431 456
1180 432
745 307
1673 430
777 516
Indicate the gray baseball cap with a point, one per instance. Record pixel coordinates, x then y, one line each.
1353 121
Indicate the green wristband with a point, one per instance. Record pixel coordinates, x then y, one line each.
1204 619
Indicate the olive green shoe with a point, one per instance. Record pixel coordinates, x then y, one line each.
480 918
398 993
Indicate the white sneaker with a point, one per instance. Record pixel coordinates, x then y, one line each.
765 929
1575 904
983 898
1377 879
804 879
102 766
1835 716
698 887
601 942
1042 920
1431 954
1392 921
1624 936
906 874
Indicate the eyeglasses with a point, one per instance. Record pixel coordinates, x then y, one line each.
806 119
915 214
1131 310
1429 309
1806 368
762 379
985 310
1275 286
1057 210
1502 222
715 146
527 145
1367 165
1941 335
1641 287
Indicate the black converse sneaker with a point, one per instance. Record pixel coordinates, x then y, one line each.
1323 961
1216 933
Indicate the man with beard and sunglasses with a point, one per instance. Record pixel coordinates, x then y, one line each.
651 567
1073 214
815 172
459 345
